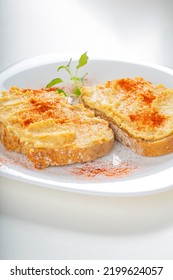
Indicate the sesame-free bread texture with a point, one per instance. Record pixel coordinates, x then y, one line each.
140 113
43 125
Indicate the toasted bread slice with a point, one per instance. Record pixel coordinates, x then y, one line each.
42 125
140 114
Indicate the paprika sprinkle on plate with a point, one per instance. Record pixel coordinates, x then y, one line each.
106 169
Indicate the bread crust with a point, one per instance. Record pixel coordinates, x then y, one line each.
138 145
42 157
141 146
67 155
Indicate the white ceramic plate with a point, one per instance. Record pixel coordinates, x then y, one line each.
133 174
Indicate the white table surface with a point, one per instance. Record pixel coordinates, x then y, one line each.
40 223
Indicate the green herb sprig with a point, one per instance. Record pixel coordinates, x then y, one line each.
78 81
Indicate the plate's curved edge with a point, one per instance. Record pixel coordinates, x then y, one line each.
53 57
137 186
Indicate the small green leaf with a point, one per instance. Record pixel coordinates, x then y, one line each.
64 67
60 90
77 92
54 82
82 60
61 67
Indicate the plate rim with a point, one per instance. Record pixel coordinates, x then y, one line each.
61 56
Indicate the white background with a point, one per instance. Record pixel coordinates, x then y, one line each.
39 223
